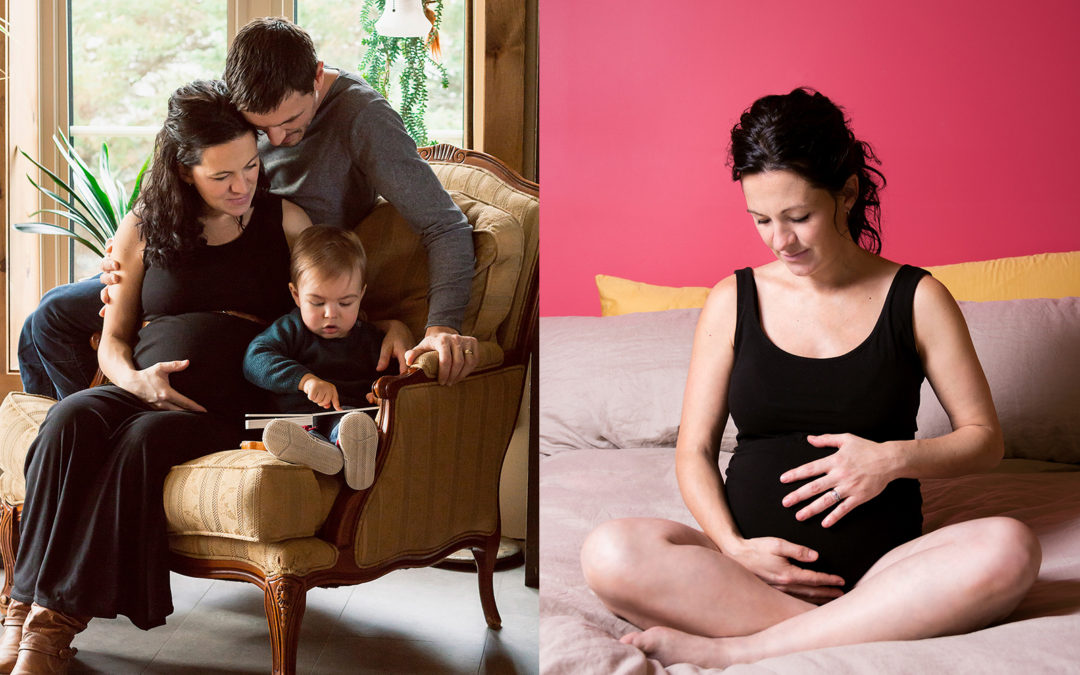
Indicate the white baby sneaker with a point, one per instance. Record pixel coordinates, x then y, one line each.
295 444
359 438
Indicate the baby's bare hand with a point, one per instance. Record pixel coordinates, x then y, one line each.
321 393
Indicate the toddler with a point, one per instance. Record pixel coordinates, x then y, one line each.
324 351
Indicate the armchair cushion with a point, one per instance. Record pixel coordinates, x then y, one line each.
20 416
496 189
246 495
398 277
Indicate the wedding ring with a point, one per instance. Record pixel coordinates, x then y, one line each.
468 351
835 495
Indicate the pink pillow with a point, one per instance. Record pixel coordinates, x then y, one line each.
1030 352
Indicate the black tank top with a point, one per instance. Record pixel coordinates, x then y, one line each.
249 274
183 304
777 398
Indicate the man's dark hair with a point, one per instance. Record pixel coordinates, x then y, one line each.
269 60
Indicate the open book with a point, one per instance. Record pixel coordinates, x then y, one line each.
260 420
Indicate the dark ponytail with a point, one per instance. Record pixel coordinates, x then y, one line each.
806 133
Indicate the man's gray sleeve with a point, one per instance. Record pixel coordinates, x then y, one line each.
388 157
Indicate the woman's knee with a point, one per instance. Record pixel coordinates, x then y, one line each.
52 317
70 434
1010 553
609 553
156 440
617 554
74 414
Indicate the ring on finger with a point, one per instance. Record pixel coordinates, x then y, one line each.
468 351
835 495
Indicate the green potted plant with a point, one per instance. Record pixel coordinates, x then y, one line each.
416 53
95 203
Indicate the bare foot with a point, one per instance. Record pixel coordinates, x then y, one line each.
670 646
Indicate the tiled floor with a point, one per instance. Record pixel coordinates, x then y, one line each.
411 621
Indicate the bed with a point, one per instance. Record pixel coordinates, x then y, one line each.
611 390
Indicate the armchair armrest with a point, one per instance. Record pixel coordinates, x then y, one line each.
489 355
416 419
437 469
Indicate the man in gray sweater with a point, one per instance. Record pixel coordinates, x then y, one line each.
332 145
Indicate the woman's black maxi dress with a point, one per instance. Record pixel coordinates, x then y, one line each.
92 536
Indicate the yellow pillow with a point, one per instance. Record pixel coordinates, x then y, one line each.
1043 275
622 296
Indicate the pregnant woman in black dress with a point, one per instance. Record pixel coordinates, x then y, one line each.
815 538
205 259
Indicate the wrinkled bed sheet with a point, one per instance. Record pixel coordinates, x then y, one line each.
578 635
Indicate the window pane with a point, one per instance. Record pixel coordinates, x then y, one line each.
127 57
334 25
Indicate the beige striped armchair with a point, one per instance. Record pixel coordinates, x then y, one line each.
245 515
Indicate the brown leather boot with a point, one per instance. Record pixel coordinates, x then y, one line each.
45 648
13 629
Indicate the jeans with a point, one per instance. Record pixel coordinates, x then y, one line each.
326 428
55 356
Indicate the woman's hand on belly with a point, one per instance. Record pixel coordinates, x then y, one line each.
769 558
856 473
152 386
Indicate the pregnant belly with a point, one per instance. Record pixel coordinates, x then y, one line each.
215 344
847 548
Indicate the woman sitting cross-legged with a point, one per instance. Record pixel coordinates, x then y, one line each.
205 260
815 537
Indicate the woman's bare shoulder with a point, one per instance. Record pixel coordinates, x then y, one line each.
292 214
128 238
719 314
724 293
934 302
294 220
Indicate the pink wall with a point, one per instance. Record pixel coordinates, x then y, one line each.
972 105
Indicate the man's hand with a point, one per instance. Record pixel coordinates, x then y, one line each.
320 392
457 353
109 268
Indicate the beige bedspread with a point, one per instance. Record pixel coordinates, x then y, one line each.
579 635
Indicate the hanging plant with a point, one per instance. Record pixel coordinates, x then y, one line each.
416 53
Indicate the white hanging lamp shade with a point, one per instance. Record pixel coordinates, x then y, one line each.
403 18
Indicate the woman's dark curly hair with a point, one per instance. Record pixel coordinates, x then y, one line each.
806 133
200 116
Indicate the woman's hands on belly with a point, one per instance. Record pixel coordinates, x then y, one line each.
151 384
770 559
858 471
